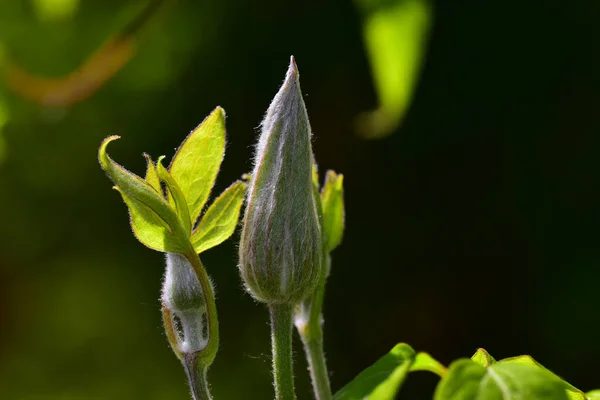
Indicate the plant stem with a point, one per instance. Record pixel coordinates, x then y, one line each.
210 351
196 373
309 322
281 341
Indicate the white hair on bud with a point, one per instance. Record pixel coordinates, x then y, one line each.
280 243
182 294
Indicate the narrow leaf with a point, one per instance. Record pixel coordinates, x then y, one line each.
482 357
197 161
382 380
467 380
177 196
424 362
151 174
138 193
220 219
332 200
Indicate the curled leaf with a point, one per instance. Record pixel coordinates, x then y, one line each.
153 221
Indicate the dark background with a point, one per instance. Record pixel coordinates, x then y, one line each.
474 224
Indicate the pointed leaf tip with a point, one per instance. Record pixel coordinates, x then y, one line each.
102 156
181 206
197 161
152 174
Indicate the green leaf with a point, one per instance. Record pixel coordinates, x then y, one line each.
152 175
482 357
382 380
467 380
572 391
149 228
593 395
196 163
153 220
424 362
177 196
332 203
220 219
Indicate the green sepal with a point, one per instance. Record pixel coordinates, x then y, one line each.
220 220
483 358
383 379
572 391
468 380
153 220
332 202
177 195
196 163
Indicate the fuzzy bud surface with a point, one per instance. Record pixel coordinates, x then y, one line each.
280 247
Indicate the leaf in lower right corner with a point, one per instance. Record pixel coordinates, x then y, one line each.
572 391
593 395
382 380
468 380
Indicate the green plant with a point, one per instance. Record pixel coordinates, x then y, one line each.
290 228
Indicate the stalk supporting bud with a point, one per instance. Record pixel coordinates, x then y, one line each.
280 247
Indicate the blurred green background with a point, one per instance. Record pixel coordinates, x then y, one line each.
473 220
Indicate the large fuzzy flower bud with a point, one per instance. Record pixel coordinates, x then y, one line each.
280 248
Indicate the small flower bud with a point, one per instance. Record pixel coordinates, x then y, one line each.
280 247
182 294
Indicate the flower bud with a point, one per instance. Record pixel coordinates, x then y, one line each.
182 294
280 247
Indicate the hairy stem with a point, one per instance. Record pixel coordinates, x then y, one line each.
196 372
281 341
309 322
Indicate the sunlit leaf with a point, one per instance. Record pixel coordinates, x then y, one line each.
154 222
332 203
572 391
468 380
382 380
149 228
177 196
220 220
482 357
424 362
197 161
